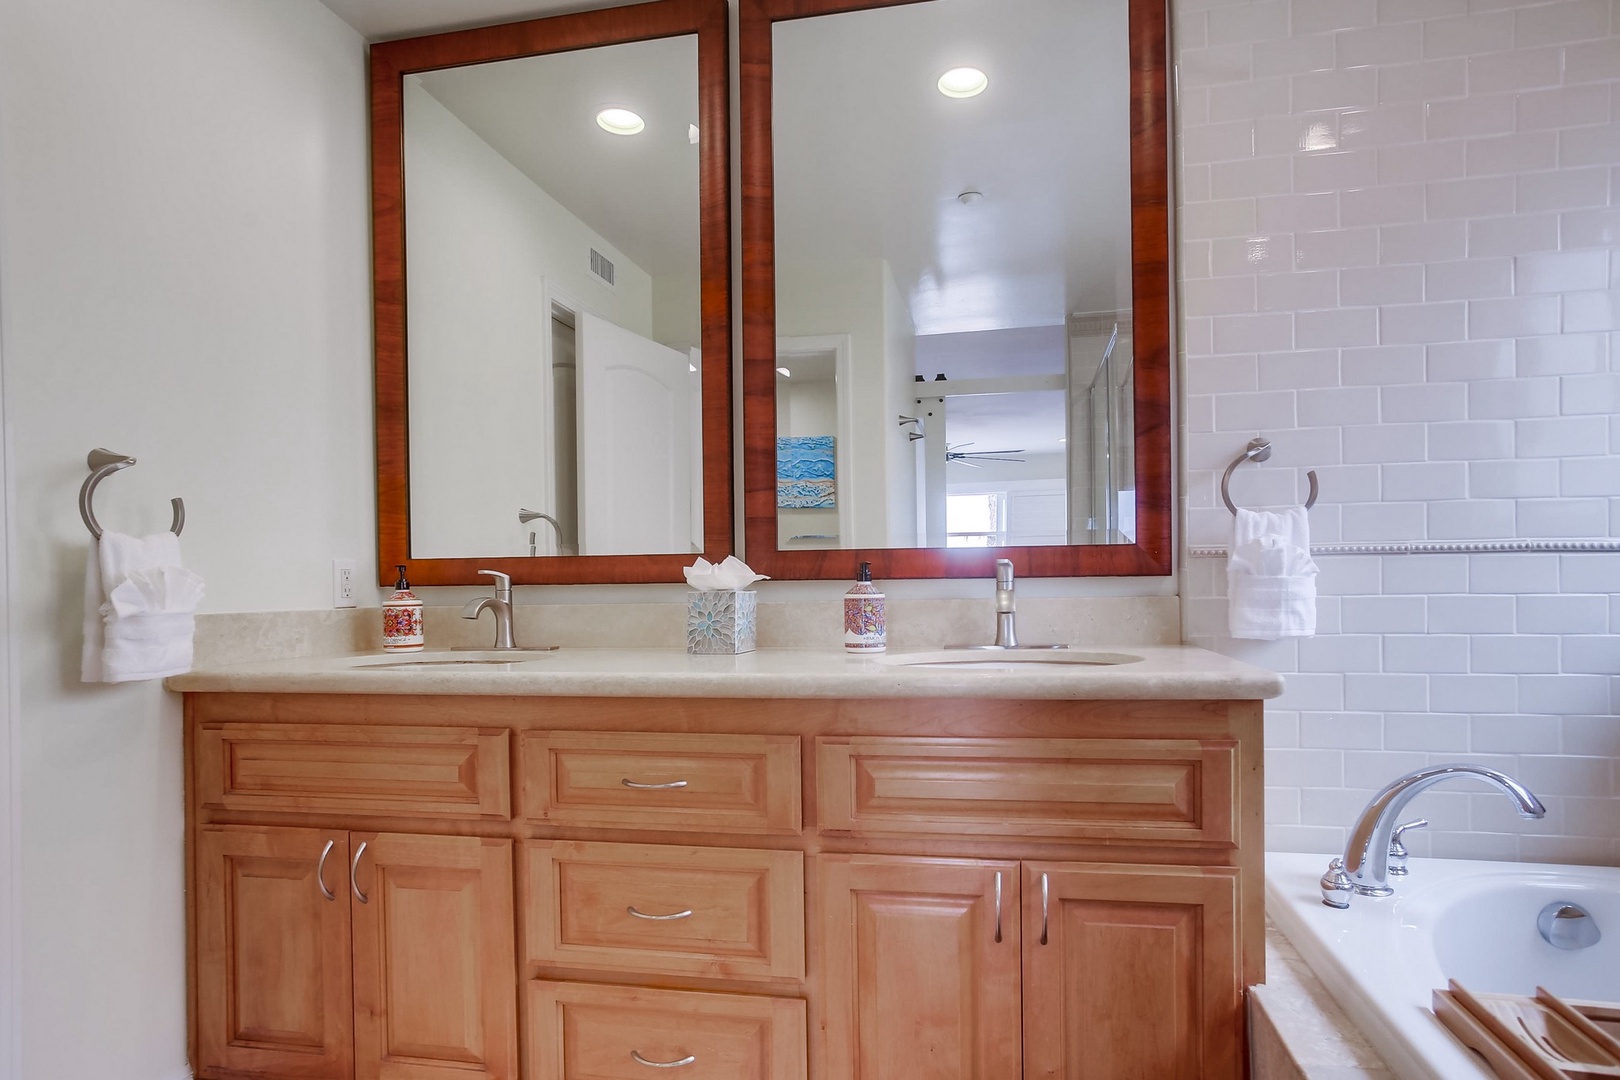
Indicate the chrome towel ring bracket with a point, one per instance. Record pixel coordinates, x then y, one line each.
103 463
1258 450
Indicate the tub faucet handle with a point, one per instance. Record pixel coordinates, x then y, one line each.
1397 850
1337 887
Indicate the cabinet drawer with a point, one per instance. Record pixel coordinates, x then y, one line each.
728 783
405 771
665 909
579 1031
1139 790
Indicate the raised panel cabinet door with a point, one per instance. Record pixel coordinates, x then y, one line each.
1131 972
920 968
442 772
272 953
434 957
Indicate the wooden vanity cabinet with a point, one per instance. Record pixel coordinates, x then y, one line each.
930 889
400 968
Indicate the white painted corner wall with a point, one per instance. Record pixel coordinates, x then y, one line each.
184 277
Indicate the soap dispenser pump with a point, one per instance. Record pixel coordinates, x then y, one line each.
864 630
402 618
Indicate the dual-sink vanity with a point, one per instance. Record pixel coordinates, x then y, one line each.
600 862
785 864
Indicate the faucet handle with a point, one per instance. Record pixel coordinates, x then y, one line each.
503 584
1397 850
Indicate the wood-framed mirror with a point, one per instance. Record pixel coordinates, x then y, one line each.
956 304
552 290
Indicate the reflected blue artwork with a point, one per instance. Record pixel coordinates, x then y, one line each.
805 472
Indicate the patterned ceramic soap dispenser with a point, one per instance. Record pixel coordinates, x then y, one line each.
402 618
863 616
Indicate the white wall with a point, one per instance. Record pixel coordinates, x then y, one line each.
10 759
184 258
1398 243
484 242
853 298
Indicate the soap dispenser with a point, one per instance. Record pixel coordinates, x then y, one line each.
864 630
402 618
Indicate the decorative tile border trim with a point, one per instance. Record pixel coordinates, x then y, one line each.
1440 547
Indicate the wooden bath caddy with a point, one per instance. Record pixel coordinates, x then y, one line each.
1534 1038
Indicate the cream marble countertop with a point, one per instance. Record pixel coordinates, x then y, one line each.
1152 672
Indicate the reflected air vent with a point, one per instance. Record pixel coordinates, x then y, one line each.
602 267
1098 323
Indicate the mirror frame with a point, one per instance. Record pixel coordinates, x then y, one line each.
1150 304
391 61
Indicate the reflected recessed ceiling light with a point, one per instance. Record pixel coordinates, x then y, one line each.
620 121
784 372
692 134
692 368
963 82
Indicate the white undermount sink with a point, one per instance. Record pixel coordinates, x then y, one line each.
466 658
1009 659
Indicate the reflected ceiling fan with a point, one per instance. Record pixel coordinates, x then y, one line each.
971 458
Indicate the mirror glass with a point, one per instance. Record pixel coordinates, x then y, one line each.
953 276
552 287
553 317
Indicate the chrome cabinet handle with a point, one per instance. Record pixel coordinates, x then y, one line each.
998 907
1045 906
687 914
353 863
639 1060
653 787
320 871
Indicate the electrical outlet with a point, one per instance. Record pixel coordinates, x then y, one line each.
343 583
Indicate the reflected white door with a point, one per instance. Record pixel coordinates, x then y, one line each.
635 428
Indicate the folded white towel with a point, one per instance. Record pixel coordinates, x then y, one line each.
139 609
1270 575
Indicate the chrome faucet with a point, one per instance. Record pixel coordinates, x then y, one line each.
1006 633
500 604
1364 866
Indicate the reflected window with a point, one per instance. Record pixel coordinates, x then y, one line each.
974 520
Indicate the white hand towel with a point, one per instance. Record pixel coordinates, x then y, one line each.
1270 575
139 609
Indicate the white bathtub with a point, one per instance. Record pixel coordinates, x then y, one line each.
1470 921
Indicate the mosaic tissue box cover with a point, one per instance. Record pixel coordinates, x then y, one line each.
721 621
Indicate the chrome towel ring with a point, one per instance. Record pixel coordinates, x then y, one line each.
1259 450
103 463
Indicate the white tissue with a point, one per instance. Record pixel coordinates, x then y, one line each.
732 573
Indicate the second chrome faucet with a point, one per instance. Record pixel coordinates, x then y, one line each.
1006 614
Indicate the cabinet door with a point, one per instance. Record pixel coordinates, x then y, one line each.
921 968
1131 972
272 953
434 967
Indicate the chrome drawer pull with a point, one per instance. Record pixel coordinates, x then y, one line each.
320 871
687 914
639 1060
653 787
358 895
1045 908
998 907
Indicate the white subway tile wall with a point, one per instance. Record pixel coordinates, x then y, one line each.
1399 264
